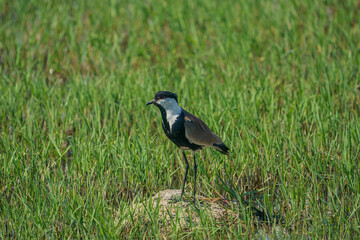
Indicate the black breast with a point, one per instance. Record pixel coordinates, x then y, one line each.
177 132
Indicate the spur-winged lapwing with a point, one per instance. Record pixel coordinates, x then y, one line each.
187 131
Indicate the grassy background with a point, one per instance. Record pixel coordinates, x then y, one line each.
277 80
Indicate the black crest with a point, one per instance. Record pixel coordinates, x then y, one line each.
165 94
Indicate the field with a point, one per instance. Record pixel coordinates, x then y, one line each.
277 80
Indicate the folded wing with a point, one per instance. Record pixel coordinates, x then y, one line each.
197 132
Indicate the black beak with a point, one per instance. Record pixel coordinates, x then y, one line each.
151 102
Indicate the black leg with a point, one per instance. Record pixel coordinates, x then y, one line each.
195 169
186 172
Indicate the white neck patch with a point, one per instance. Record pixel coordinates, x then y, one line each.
172 109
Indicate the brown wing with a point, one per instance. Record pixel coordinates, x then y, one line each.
197 132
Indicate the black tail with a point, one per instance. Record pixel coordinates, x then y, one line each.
221 148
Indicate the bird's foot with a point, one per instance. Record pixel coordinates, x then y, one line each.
195 202
177 199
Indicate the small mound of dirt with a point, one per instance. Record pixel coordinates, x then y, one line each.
170 209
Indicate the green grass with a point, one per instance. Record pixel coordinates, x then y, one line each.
278 81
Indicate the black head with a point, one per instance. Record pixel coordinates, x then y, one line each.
162 95
165 94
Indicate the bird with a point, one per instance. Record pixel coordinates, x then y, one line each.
187 131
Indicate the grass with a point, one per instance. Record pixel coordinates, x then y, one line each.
277 80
